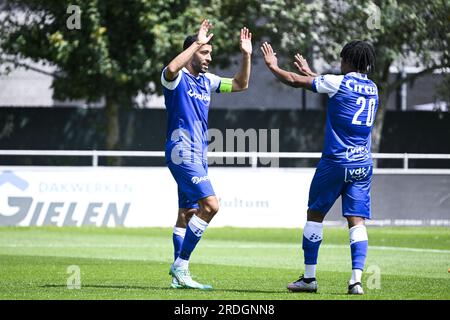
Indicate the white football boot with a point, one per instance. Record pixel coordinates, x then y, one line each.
303 285
184 279
355 288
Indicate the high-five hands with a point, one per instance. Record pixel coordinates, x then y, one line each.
202 35
269 56
245 42
302 66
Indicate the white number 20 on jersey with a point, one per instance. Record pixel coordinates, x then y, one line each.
370 114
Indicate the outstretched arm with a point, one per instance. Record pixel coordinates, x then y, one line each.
241 79
183 58
289 78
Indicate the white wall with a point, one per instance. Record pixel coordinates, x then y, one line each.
146 197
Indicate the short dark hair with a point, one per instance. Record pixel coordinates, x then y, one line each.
190 40
360 55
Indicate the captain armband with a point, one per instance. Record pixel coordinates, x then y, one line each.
225 85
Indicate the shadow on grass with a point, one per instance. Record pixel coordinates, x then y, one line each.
127 287
97 286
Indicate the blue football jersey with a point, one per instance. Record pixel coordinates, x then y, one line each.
352 106
187 101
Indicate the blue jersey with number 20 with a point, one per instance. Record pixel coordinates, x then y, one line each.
352 106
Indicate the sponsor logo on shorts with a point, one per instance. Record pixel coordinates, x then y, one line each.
356 174
197 180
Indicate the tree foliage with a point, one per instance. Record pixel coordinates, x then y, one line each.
123 45
401 31
414 30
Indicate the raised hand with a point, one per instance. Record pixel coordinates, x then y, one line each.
245 42
302 65
269 56
202 35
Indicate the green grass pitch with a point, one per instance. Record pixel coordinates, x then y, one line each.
122 263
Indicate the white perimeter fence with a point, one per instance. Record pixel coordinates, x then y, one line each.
255 196
253 156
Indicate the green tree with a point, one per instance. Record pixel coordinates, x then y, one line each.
399 29
122 46
119 48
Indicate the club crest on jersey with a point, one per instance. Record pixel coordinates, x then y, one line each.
357 153
199 96
197 180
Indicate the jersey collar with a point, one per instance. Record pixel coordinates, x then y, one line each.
185 70
357 75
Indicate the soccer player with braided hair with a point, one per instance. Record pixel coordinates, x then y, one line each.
345 168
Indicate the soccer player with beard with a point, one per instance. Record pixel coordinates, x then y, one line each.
187 88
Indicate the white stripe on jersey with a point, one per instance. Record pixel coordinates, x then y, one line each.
328 83
171 85
214 81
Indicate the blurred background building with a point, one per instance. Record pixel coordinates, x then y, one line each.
29 88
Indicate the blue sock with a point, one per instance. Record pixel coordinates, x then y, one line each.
358 244
312 238
359 253
178 237
194 232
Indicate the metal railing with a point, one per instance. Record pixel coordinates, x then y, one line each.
253 156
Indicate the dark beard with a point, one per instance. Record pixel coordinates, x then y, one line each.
198 68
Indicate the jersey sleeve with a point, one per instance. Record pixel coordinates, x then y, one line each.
328 83
170 84
218 84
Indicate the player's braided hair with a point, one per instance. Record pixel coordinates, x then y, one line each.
190 40
360 55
